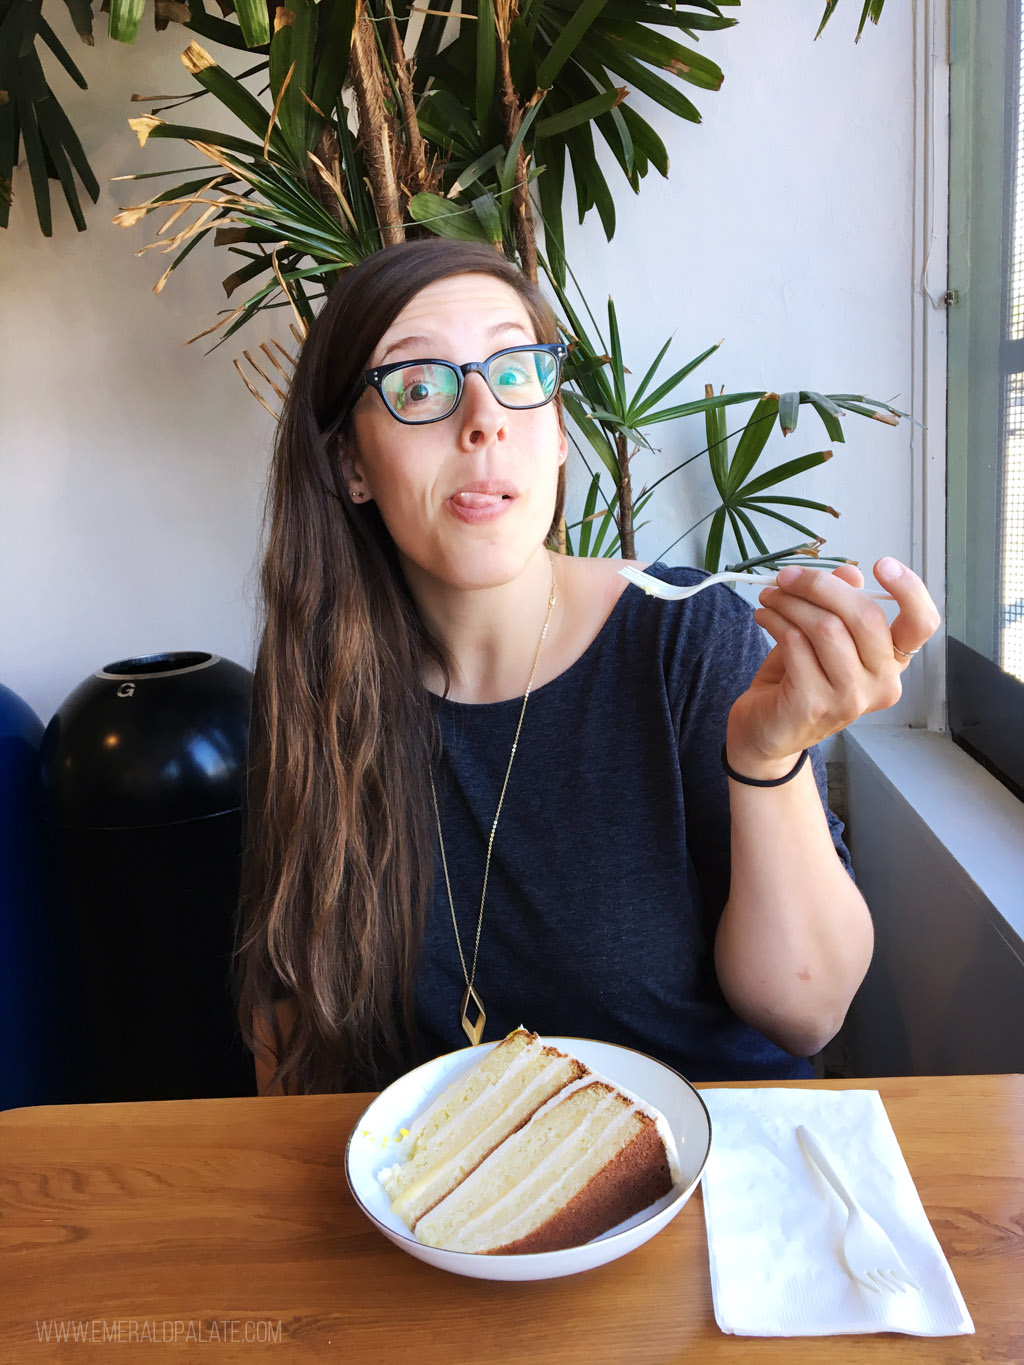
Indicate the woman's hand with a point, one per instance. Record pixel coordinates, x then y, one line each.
836 658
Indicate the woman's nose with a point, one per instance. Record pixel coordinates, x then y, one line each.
481 416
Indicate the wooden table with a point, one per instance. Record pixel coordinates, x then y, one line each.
228 1225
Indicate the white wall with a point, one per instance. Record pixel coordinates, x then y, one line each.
131 466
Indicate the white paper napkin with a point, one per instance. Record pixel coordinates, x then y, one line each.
775 1229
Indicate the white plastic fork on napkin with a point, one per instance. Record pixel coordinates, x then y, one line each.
775 1230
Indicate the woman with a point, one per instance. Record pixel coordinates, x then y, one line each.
488 778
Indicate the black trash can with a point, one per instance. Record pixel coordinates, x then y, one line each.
142 772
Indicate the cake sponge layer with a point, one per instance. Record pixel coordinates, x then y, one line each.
472 1118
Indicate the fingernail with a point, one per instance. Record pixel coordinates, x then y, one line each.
890 568
788 576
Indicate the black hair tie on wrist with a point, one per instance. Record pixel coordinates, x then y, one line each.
764 781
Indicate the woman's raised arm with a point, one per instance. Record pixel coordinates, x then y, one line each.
795 937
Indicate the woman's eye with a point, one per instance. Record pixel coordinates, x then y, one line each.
512 374
417 390
421 392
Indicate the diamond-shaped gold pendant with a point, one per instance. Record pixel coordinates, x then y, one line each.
474 1032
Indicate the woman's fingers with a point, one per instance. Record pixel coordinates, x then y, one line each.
836 656
802 702
789 619
849 573
847 628
802 666
918 618
838 688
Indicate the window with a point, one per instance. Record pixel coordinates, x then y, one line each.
985 607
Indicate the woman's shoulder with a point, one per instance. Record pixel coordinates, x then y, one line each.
700 617
598 590
609 620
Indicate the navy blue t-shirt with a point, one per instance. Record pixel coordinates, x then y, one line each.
610 866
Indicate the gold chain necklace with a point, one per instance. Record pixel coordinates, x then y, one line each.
474 1032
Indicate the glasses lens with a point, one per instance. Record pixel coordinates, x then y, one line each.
421 393
523 379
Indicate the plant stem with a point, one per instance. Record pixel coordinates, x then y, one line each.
624 485
414 138
512 114
376 130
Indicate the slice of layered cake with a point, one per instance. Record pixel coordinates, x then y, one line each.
529 1151
471 1118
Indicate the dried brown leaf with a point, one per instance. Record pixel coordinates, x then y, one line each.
316 108
216 326
174 242
277 106
273 360
196 59
255 392
284 288
129 217
264 376
142 127
287 354
158 288
334 183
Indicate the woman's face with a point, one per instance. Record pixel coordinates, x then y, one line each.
468 500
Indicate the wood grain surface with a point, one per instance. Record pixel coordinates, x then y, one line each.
224 1230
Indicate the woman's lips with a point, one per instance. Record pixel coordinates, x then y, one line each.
482 502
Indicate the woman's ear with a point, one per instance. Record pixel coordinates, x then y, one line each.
351 473
563 445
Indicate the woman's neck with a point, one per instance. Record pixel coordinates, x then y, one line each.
491 634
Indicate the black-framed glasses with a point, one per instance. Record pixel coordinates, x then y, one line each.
421 391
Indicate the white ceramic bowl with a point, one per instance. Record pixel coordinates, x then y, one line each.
371 1147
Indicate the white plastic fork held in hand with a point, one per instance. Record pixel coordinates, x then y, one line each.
657 588
868 1254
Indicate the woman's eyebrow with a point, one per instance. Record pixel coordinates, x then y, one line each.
405 341
495 331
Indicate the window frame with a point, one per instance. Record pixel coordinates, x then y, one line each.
985 704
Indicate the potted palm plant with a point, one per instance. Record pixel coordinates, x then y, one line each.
362 121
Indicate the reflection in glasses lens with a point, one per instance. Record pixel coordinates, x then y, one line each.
427 391
421 393
522 379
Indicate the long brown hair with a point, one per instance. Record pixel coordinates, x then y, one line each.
339 851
